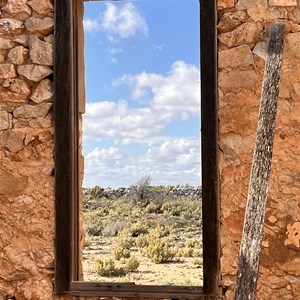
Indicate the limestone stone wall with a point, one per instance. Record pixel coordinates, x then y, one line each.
26 149
243 29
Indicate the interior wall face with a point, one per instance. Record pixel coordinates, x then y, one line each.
243 29
26 149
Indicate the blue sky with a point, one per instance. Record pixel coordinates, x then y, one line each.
142 92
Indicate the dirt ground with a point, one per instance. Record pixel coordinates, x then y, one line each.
181 271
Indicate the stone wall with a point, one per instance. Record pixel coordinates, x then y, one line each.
243 29
26 149
26 145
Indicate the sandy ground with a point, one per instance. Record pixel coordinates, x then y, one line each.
181 271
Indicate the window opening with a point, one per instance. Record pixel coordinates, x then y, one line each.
67 82
141 143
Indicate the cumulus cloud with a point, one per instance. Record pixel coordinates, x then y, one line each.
175 96
123 21
91 25
117 121
169 160
117 22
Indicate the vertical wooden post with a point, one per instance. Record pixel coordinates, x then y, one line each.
248 262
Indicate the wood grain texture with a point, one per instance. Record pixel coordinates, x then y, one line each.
209 147
63 125
248 263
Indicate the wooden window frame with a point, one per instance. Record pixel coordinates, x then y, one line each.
66 167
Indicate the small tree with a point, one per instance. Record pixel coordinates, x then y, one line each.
141 189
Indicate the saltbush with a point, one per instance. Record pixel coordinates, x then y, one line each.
119 253
107 268
132 264
159 251
92 223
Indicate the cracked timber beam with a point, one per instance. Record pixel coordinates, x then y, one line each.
248 263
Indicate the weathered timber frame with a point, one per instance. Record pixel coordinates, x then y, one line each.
66 167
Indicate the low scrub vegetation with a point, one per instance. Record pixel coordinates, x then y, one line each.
151 225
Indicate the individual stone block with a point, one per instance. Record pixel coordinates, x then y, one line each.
283 2
28 139
292 46
293 234
238 80
44 91
15 141
261 50
4 120
9 96
231 20
222 4
39 25
22 39
32 111
11 26
2 56
11 184
245 4
49 39
18 55
14 7
294 15
41 7
34 72
264 12
6 43
40 52
7 71
18 86
234 57
244 34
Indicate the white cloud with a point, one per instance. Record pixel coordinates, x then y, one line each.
158 47
91 25
174 97
116 120
123 21
114 50
168 160
117 22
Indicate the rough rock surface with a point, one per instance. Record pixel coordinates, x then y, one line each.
27 145
34 72
242 55
26 153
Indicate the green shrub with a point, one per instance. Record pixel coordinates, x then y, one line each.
107 268
197 252
153 208
142 240
138 228
124 242
95 192
159 251
87 241
197 261
119 253
132 264
187 252
113 228
92 223
193 243
159 231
